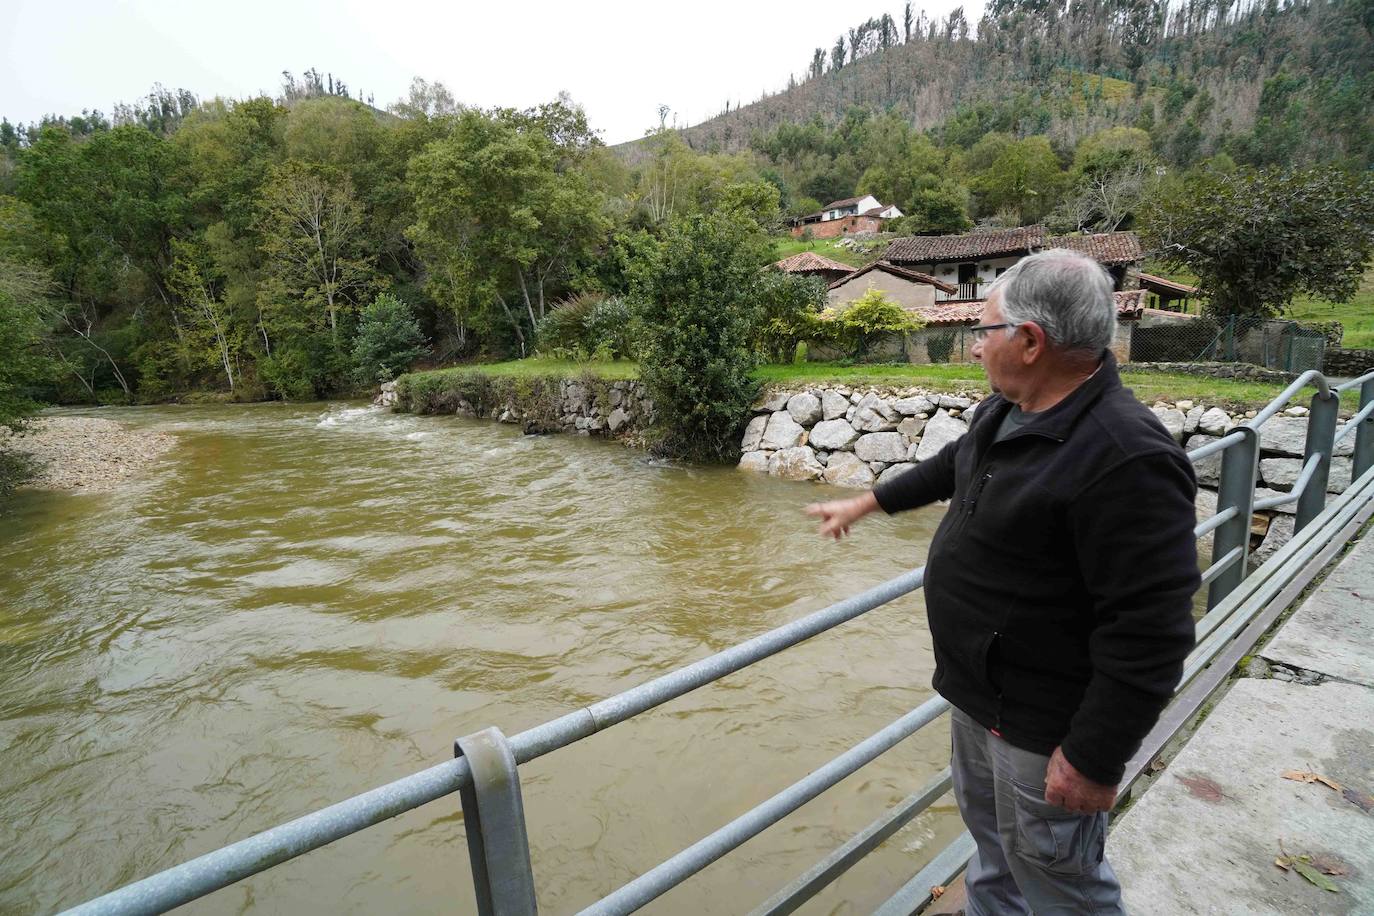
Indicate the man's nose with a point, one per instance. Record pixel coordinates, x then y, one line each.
977 350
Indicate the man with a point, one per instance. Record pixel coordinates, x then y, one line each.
1058 587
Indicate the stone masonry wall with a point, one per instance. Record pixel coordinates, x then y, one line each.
1350 363
583 406
858 437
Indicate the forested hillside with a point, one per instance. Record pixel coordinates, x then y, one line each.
1265 82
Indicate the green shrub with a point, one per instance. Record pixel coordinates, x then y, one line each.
587 326
389 340
698 302
859 325
789 307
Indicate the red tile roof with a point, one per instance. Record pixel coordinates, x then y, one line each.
894 270
934 248
1110 248
1128 308
848 201
808 262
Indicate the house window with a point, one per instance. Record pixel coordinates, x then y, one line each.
1000 271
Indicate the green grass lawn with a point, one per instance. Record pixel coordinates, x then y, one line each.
533 367
786 247
1148 386
1357 315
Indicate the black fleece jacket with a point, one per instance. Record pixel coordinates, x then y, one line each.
1059 584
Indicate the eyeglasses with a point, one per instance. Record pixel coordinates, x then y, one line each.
981 332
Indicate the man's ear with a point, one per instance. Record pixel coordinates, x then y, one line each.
1036 343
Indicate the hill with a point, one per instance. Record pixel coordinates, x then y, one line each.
1265 83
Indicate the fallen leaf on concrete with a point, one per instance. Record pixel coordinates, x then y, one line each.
1157 764
1314 876
937 892
1312 868
1306 776
1363 800
1203 788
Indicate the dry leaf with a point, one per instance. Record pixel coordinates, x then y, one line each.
1203 788
1284 862
1307 776
1157 764
937 892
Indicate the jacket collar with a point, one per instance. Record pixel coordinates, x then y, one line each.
1057 422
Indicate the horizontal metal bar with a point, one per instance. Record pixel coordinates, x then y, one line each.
939 872
1353 424
1355 382
1311 376
214 870
540 740
1211 448
702 853
1221 565
824 872
1299 485
1216 521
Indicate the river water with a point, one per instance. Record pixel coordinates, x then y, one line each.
301 602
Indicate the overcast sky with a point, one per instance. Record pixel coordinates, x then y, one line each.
620 60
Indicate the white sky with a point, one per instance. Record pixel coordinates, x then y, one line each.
619 60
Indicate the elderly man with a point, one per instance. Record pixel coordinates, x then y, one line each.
1058 587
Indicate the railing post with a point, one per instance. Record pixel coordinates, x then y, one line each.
1239 470
494 818
1321 435
1364 435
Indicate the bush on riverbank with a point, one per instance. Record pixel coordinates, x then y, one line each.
695 299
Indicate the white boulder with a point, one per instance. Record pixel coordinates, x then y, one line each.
805 408
798 463
782 432
753 433
939 432
833 435
833 404
887 447
846 470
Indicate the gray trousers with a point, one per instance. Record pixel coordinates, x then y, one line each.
1032 856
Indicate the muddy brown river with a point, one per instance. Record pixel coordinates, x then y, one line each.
302 602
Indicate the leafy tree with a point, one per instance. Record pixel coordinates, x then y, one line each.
389 340
1255 239
789 307
311 225
696 299
1022 176
208 333
503 214
862 322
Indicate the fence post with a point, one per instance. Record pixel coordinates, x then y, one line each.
1239 470
1364 435
1321 435
494 818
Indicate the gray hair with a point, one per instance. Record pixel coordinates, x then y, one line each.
1067 293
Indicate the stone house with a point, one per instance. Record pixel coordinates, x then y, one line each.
913 291
973 260
850 216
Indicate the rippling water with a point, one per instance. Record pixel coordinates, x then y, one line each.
302 602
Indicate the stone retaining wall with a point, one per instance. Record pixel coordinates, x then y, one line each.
1352 363
858 437
586 406
1247 371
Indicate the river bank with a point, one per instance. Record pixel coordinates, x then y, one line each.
89 454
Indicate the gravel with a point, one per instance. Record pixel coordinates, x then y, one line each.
86 453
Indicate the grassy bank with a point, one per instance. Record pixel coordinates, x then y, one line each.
467 382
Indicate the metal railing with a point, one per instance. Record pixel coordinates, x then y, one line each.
485 768
965 291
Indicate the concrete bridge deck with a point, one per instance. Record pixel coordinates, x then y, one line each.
1204 836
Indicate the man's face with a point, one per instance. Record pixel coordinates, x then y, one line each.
1000 351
